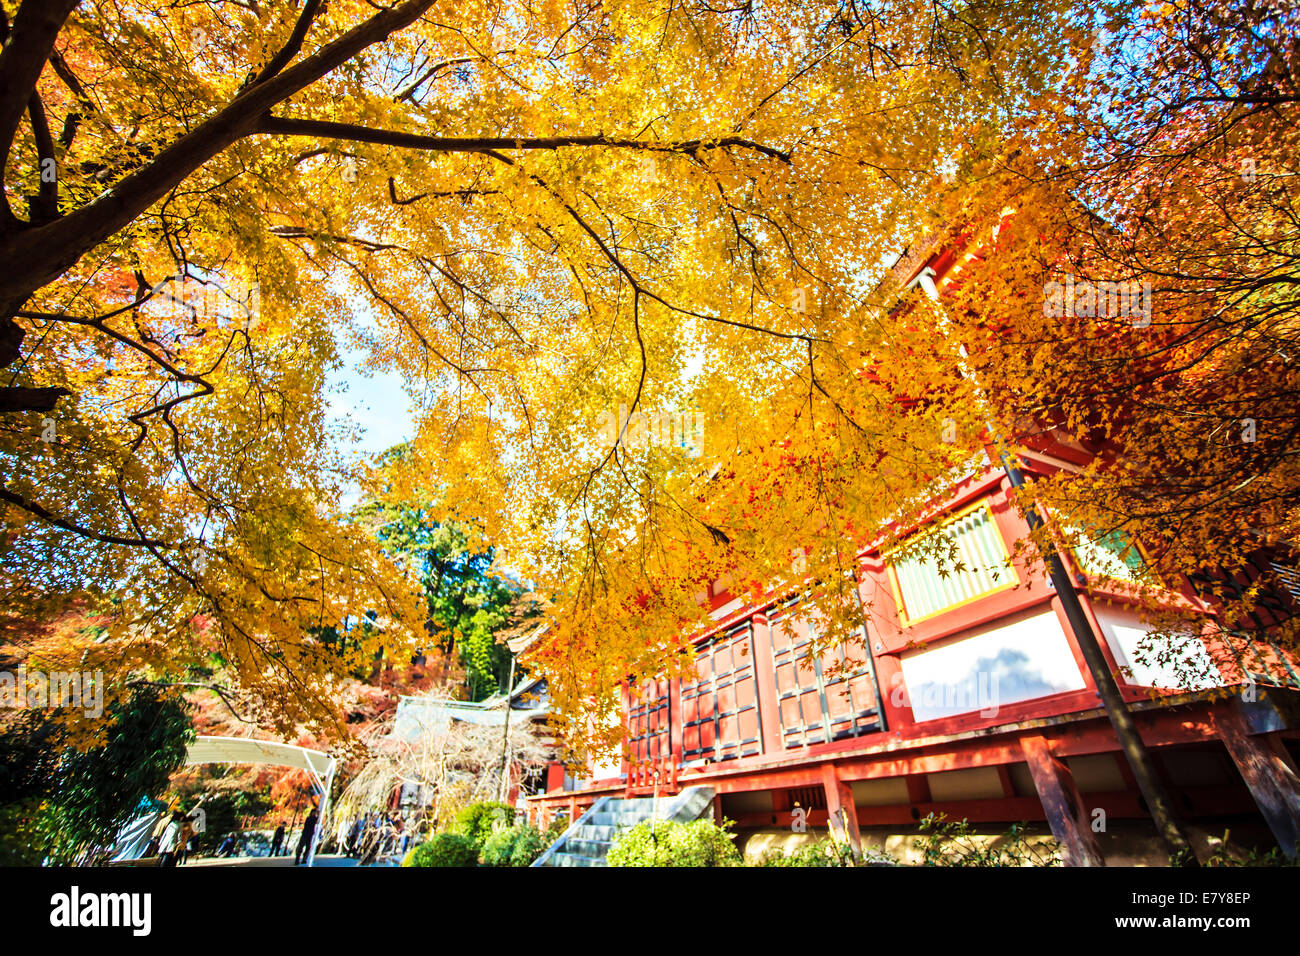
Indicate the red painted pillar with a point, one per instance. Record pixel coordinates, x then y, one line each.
675 719
878 595
628 770
840 809
918 789
768 702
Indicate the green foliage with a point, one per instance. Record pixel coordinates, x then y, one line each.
99 790
478 820
698 843
945 843
822 853
942 843
65 801
29 748
443 849
467 601
519 845
20 843
28 761
1222 856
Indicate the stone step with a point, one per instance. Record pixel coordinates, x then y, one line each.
645 804
597 833
592 848
590 841
572 859
620 818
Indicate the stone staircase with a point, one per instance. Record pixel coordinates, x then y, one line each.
586 842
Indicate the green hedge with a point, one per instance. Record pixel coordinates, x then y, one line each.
478 820
519 845
698 843
444 849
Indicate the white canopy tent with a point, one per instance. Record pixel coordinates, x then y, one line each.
320 766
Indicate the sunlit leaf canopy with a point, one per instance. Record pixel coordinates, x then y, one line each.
540 214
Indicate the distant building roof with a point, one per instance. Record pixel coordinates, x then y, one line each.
423 714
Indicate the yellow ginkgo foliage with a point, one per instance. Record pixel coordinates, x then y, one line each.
631 257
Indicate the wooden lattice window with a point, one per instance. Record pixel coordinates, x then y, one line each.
720 706
649 723
822 697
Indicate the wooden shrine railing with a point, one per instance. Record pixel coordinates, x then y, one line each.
642 778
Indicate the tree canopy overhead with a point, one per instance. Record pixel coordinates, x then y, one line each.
548 217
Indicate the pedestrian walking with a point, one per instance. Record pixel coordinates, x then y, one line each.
277 841
304 841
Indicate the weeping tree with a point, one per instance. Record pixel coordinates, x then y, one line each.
453 764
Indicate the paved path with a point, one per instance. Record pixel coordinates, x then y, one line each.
322 860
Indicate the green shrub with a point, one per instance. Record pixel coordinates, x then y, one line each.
1223 856
698 843
444 849
822 853
519 845
946 843
20 844
478 820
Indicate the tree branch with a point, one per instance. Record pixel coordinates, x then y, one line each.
428 75
28 46
326 129
46 206
31 507
30 399
294 43
40 255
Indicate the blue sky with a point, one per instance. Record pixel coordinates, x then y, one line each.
375 401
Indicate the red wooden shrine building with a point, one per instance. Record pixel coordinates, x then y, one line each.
969 697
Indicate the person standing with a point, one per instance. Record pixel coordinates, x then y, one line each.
184 844
170 841
354 837
304 841
277 841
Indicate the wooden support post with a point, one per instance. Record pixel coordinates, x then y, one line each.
840 809
1065 809
1092 645
769 715
1271 780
